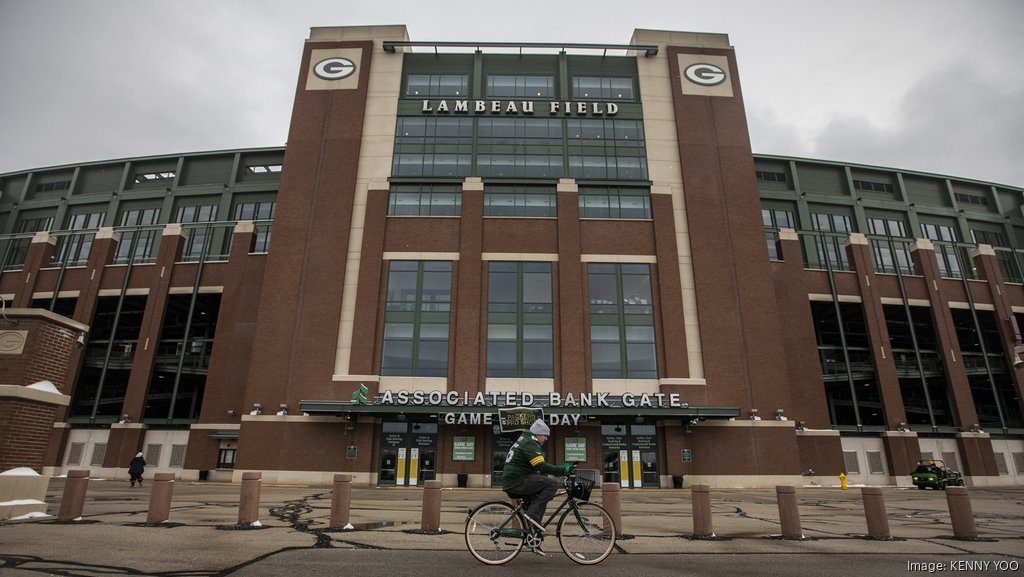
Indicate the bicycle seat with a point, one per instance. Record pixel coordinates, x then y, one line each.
526 500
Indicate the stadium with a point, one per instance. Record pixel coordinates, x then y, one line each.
458 229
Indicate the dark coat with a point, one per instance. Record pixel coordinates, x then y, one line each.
136 467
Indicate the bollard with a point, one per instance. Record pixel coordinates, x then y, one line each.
961 514
249 500
842 481
874 512
160 498
701 498
430 520
611 500
341 500
789 512
73 500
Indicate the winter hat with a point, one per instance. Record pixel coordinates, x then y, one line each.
539 427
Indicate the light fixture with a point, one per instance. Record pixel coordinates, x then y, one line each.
257 409
976 428
753 415
231 412
125 419
80 341
779 416
282 409
801 425
1017 362
901 426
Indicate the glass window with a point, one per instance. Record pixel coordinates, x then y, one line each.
144 241
508 86
425 200
622 321
416 321
519 320
420 85
614 202
602 88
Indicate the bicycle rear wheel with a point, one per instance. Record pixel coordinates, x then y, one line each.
587 536
495 532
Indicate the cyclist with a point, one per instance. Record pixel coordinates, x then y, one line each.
524 474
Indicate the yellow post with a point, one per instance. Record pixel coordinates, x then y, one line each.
842 480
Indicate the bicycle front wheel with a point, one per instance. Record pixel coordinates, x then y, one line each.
495 533
587 534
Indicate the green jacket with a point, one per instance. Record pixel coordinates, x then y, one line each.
525 458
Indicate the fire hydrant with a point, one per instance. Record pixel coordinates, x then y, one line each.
842 481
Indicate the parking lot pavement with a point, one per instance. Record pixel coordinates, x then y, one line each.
202 538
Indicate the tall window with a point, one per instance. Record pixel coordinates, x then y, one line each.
947 253
1004 254
433 146
888 252
74 249
258 211
417 318
195 237
144 241
621 321
18 249
607 148
774 219
519 320
834 230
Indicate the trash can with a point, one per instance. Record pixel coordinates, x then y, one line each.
677 481
463 480
203 474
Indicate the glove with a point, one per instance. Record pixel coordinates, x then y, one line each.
567 468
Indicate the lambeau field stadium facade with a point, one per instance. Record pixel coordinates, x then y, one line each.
455 229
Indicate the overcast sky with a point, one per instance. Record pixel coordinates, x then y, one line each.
927 85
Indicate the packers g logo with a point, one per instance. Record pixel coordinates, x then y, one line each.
334 68
704 74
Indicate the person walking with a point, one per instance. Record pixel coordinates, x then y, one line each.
136 468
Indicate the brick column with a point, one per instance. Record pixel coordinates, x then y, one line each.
468 329
572 351
984 258
40 251
859 253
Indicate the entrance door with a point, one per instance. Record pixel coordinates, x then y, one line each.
408 453
630 455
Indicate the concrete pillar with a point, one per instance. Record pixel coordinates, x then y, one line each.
789 512
249 499
961 514
611 500
430 520
341 500
701 498
874 512
160 498
73 500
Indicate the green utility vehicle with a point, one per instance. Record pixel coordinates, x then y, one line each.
934 473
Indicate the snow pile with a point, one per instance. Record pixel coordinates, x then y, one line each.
35 515
18 502
46 386
20 472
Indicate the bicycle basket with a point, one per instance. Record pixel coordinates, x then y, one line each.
581 489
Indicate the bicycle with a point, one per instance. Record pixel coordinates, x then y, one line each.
496 531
